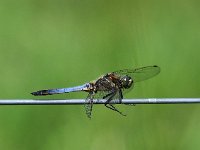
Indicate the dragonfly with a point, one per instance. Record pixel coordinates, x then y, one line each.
110 86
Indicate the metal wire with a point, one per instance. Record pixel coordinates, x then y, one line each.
82 101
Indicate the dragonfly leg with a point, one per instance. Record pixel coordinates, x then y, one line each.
110 106
107 95
120 96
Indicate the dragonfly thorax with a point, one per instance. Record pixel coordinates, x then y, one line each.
126 81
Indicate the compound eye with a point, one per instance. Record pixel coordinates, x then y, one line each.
126 82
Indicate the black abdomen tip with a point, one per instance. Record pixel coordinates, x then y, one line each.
40 93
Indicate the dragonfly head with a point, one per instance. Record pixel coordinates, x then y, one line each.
126 82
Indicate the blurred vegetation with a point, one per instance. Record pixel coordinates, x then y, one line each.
50 44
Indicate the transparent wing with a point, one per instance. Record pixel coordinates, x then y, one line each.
89 104
101 94
140 74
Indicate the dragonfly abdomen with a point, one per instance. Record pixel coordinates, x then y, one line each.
60 91
48 92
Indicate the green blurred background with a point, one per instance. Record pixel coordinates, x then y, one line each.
51 44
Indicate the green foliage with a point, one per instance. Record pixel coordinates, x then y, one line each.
50 44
